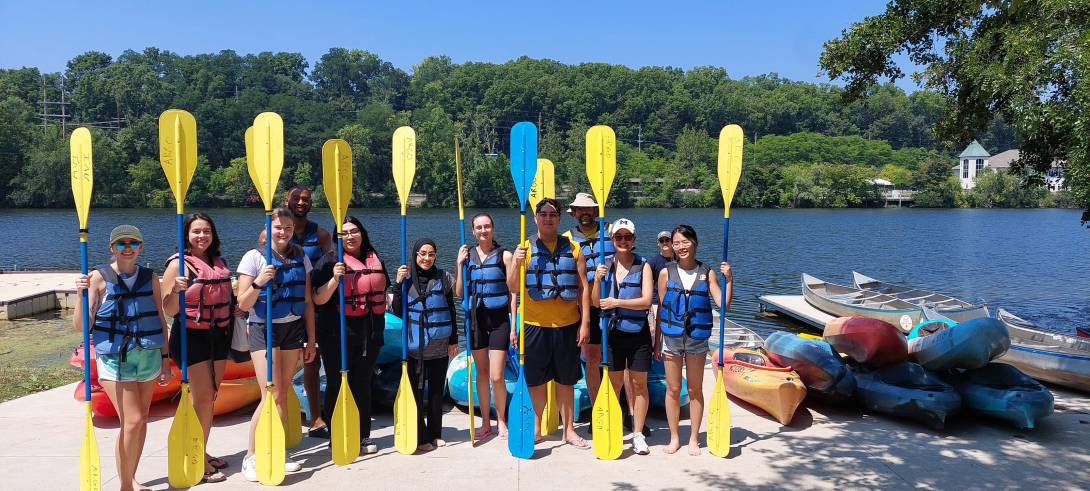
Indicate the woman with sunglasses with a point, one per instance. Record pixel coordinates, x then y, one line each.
209 311
292 319
626 279
432 337
687 289
490 305
365 282
129 334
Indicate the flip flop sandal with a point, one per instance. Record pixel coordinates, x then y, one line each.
482 436
319 432
211 477
574 442
217 463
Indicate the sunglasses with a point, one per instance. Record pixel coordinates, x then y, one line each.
664 240
133 244
624 238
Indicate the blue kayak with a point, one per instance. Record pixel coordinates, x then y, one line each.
942 345
1001 391
818 365
457 382
656 386
391 348
906 390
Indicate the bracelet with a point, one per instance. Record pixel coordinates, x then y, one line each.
166 355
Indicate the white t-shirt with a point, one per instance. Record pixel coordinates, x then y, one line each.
251 264
688 277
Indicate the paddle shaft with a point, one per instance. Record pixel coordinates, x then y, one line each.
404 296
340 297
602 249
181 294
268 303
723 290
86 320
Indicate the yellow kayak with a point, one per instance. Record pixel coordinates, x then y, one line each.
750 376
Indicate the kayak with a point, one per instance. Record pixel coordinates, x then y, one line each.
970 344
236 394
865 340
906 390
102 406
458 382
656 386
1001 391
750 376
391 341
818 365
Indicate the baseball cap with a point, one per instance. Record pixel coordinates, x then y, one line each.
663 234
125 232
624 223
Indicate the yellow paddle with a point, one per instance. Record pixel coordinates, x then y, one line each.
405 430
268 160
470 388
607 429
178 155
90 471
337 180
545 187
730 170
293 421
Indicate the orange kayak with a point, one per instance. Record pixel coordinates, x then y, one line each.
236 394
750 376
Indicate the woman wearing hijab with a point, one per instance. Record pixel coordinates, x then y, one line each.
432 338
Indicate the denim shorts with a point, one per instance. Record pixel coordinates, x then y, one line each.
684 345
140 365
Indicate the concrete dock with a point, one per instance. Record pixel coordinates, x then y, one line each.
25 293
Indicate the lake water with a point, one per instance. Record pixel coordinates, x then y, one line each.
1032 262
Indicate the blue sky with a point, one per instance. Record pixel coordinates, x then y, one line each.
746 38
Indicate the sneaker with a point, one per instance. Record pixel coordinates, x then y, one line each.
249 468
626 420
368 446
639 445
292 466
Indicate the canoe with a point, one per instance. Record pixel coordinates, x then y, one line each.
1001 391
735 335
953 308
846 301
871 341
1046 355
970 344
750 376
819 367
906 390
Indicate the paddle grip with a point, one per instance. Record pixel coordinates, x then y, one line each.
181 296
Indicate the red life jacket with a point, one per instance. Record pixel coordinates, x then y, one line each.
364 285
208 298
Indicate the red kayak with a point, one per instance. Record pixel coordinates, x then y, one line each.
867 340
1083 332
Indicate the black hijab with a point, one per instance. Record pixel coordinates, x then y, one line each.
420 277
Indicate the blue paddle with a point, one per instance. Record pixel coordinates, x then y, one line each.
523 169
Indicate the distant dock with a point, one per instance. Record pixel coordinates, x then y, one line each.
25 293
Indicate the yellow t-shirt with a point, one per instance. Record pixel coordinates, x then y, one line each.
554 312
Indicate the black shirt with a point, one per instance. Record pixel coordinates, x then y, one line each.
658 262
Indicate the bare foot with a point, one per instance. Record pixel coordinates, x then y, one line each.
439 442
672 447
503 431
694 448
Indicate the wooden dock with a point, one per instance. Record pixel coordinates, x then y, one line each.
796 307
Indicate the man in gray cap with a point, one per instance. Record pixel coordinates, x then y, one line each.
585 234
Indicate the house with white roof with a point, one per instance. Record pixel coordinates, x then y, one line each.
974 159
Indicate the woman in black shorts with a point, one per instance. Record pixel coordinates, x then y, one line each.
628 289
490 304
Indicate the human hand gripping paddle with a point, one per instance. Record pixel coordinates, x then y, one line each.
520 439
607 429
405 424
90 466
265 167
470 388
337 181
178 155
730 170
545 187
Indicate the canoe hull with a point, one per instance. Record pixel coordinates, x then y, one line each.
1001 391
907 390
871 341
1045 355
968 345
824 374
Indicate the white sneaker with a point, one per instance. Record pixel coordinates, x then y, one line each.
292 466
249 468
368 446
639 445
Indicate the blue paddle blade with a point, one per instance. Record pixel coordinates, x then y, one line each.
523 159
520 440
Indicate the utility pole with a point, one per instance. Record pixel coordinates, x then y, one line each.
46 116
639 140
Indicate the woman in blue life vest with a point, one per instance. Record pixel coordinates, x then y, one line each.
688 290
129 334
292 319
433 340
626 280
209 310
491 308
365 283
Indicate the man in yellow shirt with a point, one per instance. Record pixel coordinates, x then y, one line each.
556 314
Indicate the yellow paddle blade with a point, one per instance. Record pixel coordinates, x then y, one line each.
405 415
90 469
270 450
544 183
268 155
719 419
404 154
730 163
250 154
293 430
601 163
550 417
185 445
607 430
82 173
337 177
345 428
178 152
461 206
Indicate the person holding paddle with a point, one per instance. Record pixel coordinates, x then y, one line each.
585 235
209 310
491 310
366 280
627 279
557 316
686 290
129 333
292 319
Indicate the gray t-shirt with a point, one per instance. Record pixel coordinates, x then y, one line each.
251 265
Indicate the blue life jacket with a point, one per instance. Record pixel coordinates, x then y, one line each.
631 287
289 287
429 313
126 316
687 311
552 274
591 249
310 242
487 280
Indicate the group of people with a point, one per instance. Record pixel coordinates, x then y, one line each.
654 307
